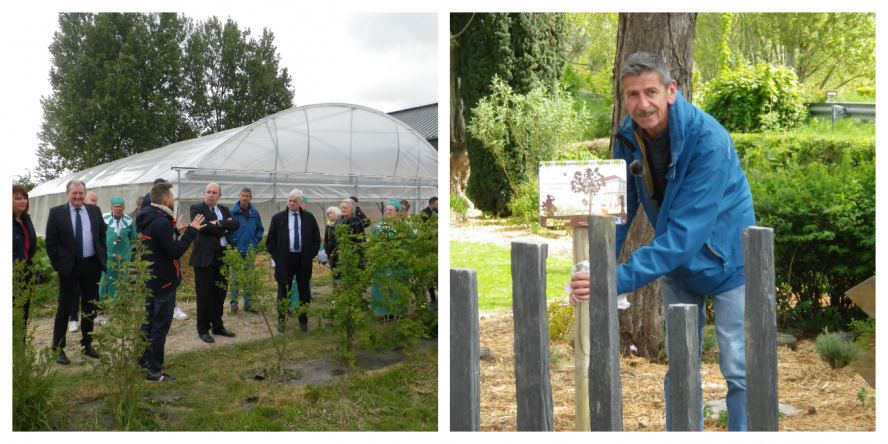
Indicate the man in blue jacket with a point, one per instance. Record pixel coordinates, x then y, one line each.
247 236
159 231
685 174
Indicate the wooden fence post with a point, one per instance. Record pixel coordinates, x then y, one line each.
532 386
581 339
760 324
465 352
605 395
684 369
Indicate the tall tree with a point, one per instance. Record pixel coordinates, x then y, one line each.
522 48
232 79
671 36
116 83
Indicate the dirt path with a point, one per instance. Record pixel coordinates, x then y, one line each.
183 334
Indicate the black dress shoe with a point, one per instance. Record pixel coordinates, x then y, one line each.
207 338
280 327
91 352
62 359
224 332
303 327
251 310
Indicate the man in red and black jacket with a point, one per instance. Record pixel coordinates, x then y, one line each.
160 234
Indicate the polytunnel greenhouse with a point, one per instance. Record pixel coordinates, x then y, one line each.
329 151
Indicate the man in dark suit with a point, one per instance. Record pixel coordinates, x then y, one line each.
293 242
206 258
75 244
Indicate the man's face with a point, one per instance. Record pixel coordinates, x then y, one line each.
76 193
91 198
434 205
117 210
212 195
294 203
647 100
245 198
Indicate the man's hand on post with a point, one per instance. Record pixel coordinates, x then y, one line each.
579 285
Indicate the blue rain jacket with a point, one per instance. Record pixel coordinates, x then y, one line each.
249 234
707 203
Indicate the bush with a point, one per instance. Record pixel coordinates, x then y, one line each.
865 330
710 345
867 91
525 206
835 350
560 317
458 206
751 99
820 201
34 375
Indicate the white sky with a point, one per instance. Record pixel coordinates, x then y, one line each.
386 61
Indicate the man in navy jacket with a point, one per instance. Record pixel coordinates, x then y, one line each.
247 236
684 172
160 235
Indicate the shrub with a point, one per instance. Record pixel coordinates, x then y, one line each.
820 201
774 151
710 345
560 316
835 350
121 343
525 206
751 99
867 91
458 206
865 330
34 376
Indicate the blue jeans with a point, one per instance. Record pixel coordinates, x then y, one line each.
159 314
234 290
728 308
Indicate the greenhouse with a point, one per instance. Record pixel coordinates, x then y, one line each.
329 151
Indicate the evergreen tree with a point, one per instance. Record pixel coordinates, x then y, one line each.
522 48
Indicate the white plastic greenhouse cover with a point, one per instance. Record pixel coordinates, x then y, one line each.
329 151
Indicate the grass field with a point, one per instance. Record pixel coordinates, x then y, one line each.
493 267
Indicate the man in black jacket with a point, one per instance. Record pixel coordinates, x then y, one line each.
206 258
75 244
160 234
293 242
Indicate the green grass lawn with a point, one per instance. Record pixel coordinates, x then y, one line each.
215 393
494 270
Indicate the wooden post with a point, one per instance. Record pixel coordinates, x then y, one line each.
760 324
465 352
532 386
605 395
581 339
684 369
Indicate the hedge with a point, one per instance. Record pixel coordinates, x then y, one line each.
818 194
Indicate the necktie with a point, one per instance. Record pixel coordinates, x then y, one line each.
295 233
78 236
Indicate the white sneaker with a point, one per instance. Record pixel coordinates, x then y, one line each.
100 320
179 314
73 327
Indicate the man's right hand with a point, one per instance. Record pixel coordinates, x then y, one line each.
579 285
197 222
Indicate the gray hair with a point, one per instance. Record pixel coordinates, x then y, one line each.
297 193
247 189
72 182
351 205
335 211
642 62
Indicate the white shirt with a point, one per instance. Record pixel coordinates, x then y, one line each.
218 212
88 247
295 228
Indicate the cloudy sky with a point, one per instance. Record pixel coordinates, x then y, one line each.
386 61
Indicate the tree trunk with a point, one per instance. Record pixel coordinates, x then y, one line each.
459 158
671 36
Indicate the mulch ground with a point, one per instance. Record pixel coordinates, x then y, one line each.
825 399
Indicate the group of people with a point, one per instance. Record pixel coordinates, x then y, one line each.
83 244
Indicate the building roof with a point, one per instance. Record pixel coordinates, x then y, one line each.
423 119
